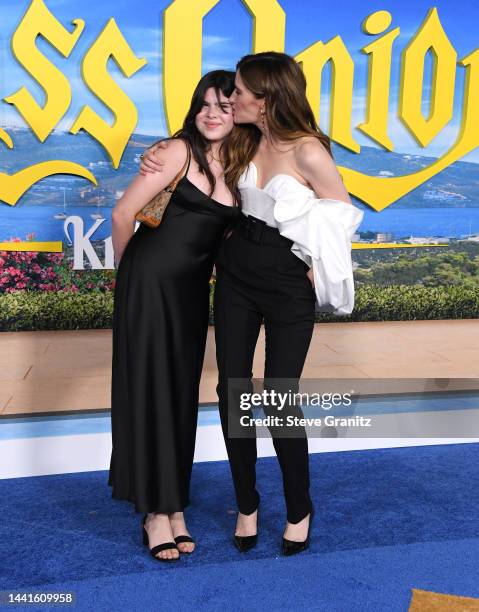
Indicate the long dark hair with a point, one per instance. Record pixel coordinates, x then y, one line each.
223 82
278 79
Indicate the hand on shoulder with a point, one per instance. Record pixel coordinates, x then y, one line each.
172 160
156 157
145 186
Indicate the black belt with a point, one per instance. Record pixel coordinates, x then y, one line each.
257 230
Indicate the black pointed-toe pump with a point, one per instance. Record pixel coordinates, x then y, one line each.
290 547
245 543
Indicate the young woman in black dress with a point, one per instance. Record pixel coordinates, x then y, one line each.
161 310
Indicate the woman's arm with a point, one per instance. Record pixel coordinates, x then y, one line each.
318 168
139 192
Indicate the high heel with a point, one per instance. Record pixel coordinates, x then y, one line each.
160 547
245 543
290 547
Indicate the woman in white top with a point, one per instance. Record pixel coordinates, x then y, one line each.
290 189
290 249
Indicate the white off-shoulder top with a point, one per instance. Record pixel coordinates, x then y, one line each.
321 230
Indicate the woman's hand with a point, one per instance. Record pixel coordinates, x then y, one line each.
151 161
309 274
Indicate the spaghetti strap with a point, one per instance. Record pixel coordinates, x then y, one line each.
188 149
184 170
183 173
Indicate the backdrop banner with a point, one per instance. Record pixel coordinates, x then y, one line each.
87 87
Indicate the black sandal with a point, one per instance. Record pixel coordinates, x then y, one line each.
184 538
160 547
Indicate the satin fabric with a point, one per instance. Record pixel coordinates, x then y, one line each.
161 308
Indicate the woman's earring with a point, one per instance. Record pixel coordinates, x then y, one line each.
262 119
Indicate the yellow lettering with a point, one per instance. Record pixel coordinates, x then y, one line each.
429 36
379 77
6 138
12 187
39 21
114 138
381 192
182 39
313 60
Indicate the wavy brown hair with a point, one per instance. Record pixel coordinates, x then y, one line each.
277 78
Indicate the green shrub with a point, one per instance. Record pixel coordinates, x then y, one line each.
411 302
33 310
408 302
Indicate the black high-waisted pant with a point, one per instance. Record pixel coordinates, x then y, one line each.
260 278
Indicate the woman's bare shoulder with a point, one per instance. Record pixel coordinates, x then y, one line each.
309 145
310 151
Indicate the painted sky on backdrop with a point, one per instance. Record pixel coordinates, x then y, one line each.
227 36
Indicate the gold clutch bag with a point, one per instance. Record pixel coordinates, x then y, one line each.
152 213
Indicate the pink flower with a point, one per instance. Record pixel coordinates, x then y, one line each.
55 258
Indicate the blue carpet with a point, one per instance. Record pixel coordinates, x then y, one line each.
387 521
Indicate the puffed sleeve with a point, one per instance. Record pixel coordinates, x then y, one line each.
322 230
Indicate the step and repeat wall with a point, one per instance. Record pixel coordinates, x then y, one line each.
87 87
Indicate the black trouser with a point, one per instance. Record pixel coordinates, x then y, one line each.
258 277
